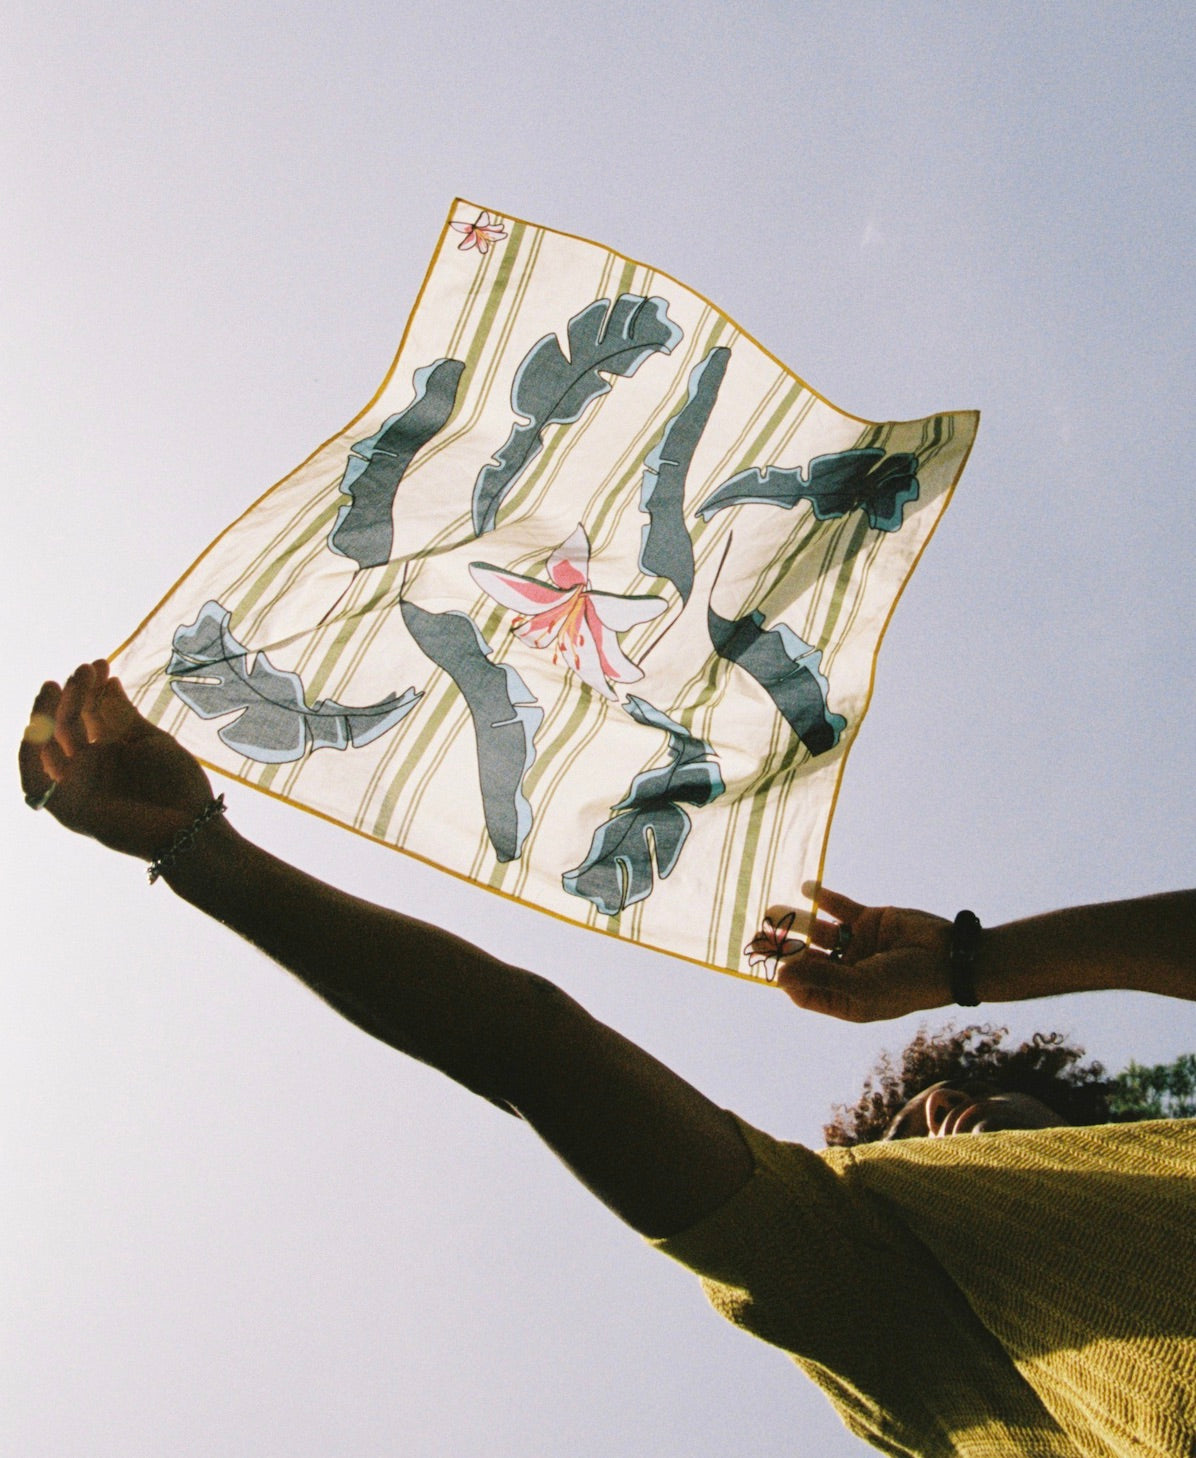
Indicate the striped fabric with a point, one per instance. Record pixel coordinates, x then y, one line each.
583 607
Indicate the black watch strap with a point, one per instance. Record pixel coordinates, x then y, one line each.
965 943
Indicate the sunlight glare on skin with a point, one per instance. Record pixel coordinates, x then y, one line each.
39 730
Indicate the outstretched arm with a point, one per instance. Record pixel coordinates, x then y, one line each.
896 961
647 1143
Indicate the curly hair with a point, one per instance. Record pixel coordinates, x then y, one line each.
1047 1067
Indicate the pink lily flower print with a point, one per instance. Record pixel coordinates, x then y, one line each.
771 943
481 234
581 626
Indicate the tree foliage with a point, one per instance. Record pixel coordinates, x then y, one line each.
1164 1091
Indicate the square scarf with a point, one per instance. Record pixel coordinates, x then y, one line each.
583 607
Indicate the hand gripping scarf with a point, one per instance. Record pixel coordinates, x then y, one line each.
583 607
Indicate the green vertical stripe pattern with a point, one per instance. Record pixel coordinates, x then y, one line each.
418 784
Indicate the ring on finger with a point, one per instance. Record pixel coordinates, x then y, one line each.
842 942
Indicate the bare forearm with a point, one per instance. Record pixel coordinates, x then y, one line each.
864 963
416 987
1144 945
645 1141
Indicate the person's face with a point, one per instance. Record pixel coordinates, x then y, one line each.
968 1108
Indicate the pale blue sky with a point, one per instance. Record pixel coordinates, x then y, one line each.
236 1226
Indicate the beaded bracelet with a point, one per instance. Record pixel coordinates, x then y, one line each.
184 839
965 943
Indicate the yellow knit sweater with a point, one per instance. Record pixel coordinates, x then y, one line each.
1024 1292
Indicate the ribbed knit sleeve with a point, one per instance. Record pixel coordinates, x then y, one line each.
804 1257
1026 1292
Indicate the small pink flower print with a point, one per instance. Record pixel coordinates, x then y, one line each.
481 234
581 626
771 943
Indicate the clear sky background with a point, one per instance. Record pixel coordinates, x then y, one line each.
234 1226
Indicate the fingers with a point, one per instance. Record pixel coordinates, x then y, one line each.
38 732
829 903
116 711
79 717
89 708
55 764
781 916
66 725
843 932
843 908
809 965
826 935
93 689
69 731
41 716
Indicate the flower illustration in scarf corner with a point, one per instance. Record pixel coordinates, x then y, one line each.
771 943
481 234
581 626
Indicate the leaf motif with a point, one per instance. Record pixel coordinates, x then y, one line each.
879 484
666 549
274 724
617 872
787 669
363 528
550 389
505 716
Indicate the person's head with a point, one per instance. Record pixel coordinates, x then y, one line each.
969 1106
966 1082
